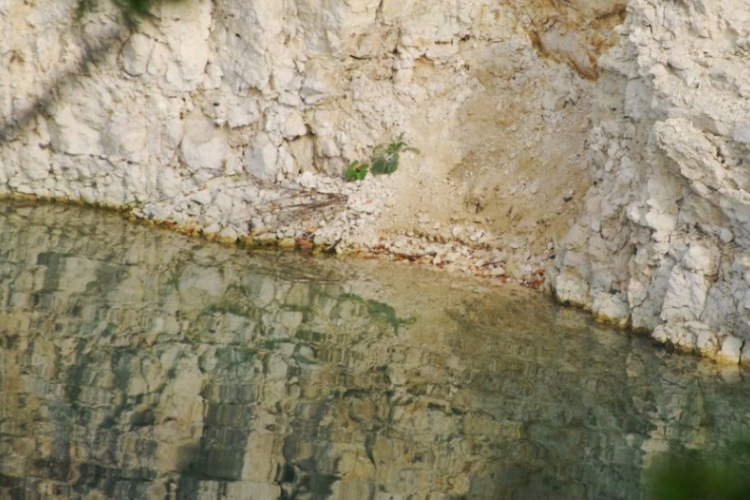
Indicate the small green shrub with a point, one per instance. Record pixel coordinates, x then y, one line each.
383 160
356 171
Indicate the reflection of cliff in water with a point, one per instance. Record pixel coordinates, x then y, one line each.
139 364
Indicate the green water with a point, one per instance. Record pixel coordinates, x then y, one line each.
136 363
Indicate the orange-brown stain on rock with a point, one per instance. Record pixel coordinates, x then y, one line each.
575 32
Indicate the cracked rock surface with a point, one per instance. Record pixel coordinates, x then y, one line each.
664 241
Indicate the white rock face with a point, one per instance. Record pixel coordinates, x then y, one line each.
261 158
611 309
669 148
256 92
204 147
210 114
71 134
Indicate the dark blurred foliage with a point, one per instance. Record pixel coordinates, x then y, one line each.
132 10
694 475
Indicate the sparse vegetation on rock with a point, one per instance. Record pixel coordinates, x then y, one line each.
383 160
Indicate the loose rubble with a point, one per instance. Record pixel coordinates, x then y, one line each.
320 213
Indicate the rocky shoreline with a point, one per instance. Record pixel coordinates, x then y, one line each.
322 214
598 150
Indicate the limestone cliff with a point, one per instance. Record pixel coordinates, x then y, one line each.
237 118
663 242
208 113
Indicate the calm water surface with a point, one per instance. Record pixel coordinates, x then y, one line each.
136 363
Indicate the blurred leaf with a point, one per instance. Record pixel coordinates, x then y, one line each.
697 478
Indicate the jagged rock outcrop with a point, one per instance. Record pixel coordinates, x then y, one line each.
663 243
236 119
